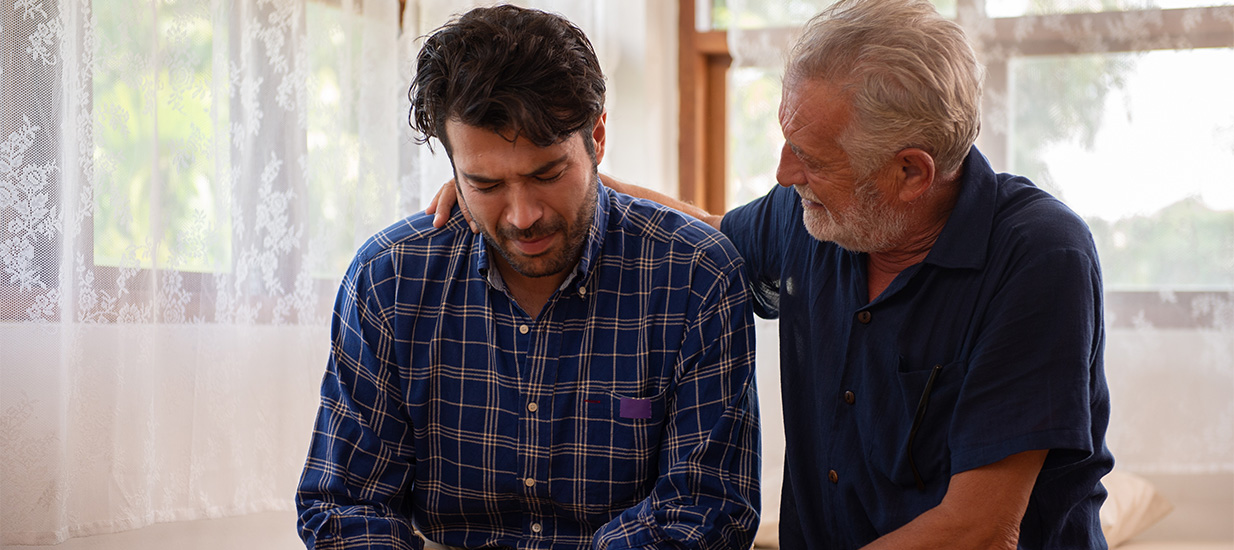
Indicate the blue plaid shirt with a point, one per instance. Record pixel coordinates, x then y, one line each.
623 416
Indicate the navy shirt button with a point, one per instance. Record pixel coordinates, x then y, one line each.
863 317
850 397
833 477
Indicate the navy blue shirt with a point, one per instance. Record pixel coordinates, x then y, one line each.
1000 325
622 416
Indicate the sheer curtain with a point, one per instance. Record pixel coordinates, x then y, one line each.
1121 109
182 184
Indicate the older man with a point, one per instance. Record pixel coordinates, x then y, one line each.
940 324
578 375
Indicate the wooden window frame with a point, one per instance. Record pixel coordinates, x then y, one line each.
702 79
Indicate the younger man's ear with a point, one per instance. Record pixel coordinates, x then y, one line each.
598 134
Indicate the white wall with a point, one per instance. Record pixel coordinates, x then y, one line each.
642 104
636 43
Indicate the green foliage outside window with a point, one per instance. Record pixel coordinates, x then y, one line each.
162 140
154 142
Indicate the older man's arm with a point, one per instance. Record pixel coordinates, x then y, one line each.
982 509
655 196
443 202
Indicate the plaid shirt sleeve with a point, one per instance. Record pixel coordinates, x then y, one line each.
708 497
361 455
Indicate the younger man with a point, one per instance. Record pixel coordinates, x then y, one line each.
577 375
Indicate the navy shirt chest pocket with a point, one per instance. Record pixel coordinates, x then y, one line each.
906 442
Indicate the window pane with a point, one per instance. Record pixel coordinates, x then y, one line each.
1014 8
154 140
720 15
334 150
754 138
1140 146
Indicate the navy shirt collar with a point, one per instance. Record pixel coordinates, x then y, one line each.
966 236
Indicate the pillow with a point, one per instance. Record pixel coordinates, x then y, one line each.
1132 506
768 535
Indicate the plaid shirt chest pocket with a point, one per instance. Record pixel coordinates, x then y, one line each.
619 441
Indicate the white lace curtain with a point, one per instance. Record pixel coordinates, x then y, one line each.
182 184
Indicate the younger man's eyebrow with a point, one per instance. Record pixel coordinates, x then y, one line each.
539 170
480 179
546 166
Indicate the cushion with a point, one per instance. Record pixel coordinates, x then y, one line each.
768 535
1133 506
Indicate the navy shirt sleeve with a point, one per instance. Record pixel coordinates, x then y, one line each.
760 230
1034 370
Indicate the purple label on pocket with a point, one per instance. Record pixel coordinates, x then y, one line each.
635 408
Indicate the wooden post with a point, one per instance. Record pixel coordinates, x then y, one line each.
703 63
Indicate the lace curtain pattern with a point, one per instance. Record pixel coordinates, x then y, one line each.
182 185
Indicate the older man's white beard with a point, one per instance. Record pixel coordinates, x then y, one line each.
869 225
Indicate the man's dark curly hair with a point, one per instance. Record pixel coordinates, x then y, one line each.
510 70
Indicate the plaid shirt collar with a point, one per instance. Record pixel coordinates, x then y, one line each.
595 240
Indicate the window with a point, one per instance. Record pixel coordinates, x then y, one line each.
1140 165
1118 108
194 162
